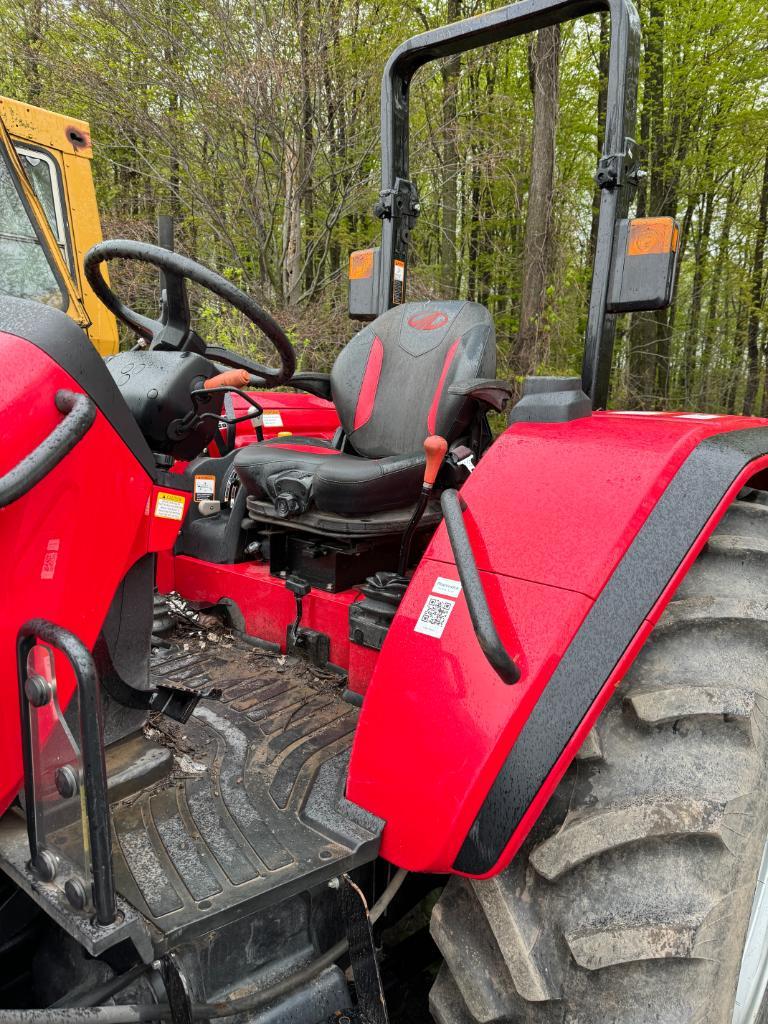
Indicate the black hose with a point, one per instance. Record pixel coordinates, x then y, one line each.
201 1011
94 996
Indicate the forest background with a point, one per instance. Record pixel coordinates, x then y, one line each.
255 123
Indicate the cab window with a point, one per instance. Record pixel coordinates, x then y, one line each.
25 270
45 179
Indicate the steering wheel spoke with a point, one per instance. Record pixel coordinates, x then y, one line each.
217 354
174 331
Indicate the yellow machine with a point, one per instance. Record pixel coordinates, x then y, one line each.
55 153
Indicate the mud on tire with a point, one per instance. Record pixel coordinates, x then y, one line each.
630 903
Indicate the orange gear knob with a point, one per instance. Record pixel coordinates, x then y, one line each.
435 448
229 379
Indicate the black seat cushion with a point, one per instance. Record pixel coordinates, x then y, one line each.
391 387
346 485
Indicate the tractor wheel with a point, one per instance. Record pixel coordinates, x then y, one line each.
640 896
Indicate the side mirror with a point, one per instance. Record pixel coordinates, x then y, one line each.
646 253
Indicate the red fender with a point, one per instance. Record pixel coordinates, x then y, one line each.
582 532
67 543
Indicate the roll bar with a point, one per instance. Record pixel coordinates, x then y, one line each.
616 175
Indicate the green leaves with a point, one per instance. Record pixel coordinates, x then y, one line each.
256 124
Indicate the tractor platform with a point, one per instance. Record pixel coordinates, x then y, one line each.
239 808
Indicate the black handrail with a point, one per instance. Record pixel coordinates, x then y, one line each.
474 592
92 756
80 415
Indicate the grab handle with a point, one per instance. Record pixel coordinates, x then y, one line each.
80 413
477 603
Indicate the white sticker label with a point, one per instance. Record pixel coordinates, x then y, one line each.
399 270
273 419
205 487
49 560
449 588
169 506
434 616
635 412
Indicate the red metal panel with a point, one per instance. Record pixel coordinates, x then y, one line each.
559 503
551 510
300 414
443 708
622 667
67 543
266 605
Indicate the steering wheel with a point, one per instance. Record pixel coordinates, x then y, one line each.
173 331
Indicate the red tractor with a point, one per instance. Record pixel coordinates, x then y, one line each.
519 682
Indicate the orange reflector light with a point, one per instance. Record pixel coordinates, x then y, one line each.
650 236
361 264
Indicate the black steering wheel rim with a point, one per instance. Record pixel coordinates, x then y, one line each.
183 267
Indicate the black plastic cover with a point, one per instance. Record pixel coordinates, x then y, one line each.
157 388
551 400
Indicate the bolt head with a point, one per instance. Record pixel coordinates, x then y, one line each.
74 890
44 865
38 691
67 782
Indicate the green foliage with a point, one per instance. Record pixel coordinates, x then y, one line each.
256 125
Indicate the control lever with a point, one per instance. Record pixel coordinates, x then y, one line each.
309 643
229 379
435 448
181 427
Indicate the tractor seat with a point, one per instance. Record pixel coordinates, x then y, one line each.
408 374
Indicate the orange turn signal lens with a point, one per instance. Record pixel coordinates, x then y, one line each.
361 264
650 236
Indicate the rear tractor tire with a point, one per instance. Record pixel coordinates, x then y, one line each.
638 897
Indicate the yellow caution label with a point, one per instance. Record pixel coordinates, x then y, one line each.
169 506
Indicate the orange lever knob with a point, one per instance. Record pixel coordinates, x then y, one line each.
229 379
435 448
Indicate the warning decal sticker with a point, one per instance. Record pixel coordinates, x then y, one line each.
205 487
272 419
169 506
398 282
434 616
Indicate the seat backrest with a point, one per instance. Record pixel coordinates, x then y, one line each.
391 383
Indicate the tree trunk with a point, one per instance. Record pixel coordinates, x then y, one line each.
34 32
602 107
700 252
713 306
450 74
755 299
291 255
532 341
646 370
307 137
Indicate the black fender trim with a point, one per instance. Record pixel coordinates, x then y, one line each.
668 534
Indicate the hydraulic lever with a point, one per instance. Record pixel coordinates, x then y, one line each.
435 448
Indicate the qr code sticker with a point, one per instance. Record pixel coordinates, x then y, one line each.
434 616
